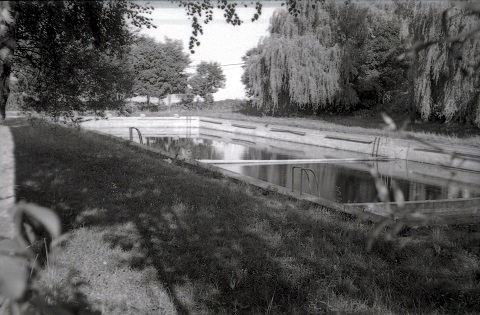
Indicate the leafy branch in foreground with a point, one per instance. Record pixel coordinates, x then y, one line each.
202 12
18 262
400 216
444 60
397 218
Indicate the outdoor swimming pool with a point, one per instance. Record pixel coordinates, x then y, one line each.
334 169
347 182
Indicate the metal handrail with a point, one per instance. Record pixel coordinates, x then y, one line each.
139 134
306 171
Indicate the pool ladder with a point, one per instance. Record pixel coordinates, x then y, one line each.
307 171
139 134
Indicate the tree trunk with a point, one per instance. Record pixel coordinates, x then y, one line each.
7 47
4 89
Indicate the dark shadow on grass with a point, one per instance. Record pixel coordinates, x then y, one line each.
216 248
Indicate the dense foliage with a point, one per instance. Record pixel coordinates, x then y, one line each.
158 68
330 56
79 81
34 36
68 54
447 83
207 80
343 56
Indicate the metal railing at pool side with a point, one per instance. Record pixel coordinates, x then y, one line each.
139 134
306 171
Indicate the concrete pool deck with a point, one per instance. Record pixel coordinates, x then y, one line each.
451 158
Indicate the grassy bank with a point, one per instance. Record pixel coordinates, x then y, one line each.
149 237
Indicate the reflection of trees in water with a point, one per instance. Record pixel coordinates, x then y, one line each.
354 186
335 182
277 174
189 148
359 186
262 153
198 148
343 184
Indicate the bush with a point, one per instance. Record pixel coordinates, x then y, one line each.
151 107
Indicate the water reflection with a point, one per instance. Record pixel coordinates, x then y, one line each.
238 149
347 183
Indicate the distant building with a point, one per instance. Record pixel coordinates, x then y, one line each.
167 100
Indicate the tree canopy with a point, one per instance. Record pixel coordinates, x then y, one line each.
342 56
39 32
356 45
69 52
207 80
447 83
158 68
323 57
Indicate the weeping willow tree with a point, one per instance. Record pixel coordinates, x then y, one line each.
299 70
297 64
315 59
446 81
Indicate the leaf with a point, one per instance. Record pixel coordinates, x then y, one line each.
382 190
389 121
59 240
398 195
13 271
45 216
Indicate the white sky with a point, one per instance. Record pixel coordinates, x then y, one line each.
220 41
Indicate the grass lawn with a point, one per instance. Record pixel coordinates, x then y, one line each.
150 237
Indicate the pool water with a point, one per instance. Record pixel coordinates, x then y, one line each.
342 182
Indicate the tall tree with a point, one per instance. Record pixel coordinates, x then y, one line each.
207 80
81 80
323 56
445 79
159 68
36 30
42 32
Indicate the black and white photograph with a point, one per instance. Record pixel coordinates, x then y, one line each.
239 157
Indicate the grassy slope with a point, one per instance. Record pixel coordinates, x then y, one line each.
152 237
